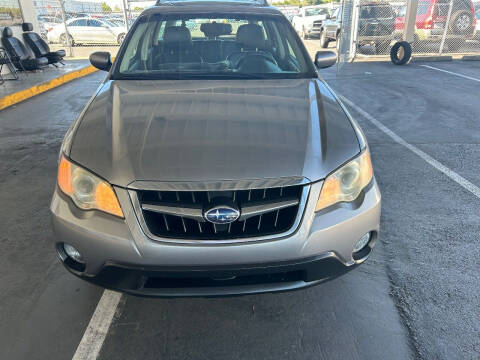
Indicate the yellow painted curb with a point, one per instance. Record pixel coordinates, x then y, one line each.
21 95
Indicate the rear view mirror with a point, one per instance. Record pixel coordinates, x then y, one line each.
101 60
325 59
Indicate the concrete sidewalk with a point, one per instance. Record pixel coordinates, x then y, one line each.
33 83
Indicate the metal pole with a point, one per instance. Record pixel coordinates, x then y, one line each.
67 34
410 20
442 44
125 15
354 29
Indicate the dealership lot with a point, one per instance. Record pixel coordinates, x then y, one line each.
417 295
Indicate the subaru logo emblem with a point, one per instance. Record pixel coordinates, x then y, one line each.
221 215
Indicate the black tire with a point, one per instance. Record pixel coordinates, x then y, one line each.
63 40
120 39
461 23
400 53
324 40
303 34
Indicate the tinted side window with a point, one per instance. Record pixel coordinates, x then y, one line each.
94 23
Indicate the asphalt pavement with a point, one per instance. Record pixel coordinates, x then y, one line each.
416 297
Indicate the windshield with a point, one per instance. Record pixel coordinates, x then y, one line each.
213 46
376 12
316 11
109 23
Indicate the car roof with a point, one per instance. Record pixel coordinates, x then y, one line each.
212 6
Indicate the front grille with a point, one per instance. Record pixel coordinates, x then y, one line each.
317 24
179 214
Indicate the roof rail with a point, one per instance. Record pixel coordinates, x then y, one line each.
172 2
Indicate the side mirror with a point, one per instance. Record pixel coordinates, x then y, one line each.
325 59
101 60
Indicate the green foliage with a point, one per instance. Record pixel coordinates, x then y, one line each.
117 9
138 8
106 7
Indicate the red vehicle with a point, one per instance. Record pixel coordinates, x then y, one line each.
432 18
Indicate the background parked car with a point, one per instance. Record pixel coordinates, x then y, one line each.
432 18
88 30
309 20
376 26
331 28
477 27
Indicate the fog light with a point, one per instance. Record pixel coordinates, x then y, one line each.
73 253
362 243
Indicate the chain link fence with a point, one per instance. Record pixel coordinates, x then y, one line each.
83 27
441 27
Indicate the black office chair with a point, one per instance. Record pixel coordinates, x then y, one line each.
19 54
39 47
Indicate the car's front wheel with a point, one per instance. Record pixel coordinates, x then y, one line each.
64 42
303 34
324 40
120 39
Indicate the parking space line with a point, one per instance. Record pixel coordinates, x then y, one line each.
467 185
12 99
452 73
97 329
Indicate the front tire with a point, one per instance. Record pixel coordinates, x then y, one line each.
461 23
303 34
120 39
63 40
324 40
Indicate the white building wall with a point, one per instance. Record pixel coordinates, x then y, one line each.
29 15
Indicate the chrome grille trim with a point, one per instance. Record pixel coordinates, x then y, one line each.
226 185
187 212
139 214
260 208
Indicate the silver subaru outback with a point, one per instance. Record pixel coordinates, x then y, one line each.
213 161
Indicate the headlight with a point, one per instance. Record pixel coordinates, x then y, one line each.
345 184
87 190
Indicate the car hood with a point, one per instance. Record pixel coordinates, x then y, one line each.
311 19
196 131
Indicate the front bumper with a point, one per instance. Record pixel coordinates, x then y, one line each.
120 256
313 31
217 281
